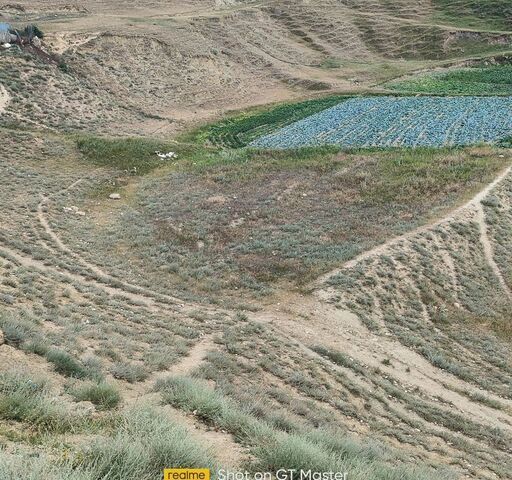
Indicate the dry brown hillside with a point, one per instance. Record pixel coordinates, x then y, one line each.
321 308
134 67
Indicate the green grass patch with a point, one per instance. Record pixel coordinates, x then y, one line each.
66 364
135 156
102 394
241 130
129 372
28 400
275 449
494 80
405 174
142 445
482 14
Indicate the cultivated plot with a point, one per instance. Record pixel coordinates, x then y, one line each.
400 122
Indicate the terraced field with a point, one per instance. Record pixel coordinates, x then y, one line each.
400 122
477 80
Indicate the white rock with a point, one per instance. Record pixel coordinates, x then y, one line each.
115 196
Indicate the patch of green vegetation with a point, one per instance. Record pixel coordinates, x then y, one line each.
507 142
490 14
275 449
340 359
143 444
24 399
102 394
495 80
66 364
331 62
255 217
241 130
423 173
129 372
135 156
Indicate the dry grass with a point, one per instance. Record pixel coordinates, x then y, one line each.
101 299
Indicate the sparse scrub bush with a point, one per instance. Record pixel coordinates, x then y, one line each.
103 395
16 330
146 442
65 364
438 360
192 395
26 400
130 372
485 400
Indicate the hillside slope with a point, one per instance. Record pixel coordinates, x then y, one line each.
162 66
321 308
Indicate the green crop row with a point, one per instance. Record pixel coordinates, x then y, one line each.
495 80
241 130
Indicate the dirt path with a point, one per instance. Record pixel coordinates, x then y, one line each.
5 98
489 249
222 444
472 205
341 330
103 276
143 391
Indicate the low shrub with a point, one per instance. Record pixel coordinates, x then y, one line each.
145 443
103 395
65 364
26 400
129 372
16 331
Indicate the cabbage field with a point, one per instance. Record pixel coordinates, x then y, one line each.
399 122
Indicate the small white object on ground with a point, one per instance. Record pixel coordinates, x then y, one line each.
7 45
168 155
114 196
74 210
